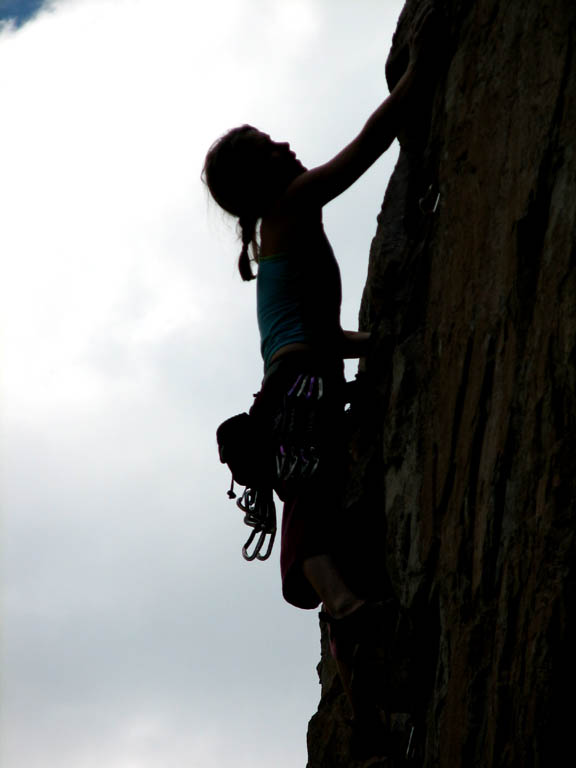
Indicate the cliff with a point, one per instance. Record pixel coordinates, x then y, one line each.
465 442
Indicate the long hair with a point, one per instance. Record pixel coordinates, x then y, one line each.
231 174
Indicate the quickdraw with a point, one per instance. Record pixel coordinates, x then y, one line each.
297 456
260 515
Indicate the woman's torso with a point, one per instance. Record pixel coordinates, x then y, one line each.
298 287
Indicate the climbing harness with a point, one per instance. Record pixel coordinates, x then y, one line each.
274 447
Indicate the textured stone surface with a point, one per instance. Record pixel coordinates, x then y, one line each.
467 450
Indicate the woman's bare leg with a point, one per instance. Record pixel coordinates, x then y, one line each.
322 573
339 601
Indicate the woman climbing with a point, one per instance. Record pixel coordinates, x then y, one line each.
278 203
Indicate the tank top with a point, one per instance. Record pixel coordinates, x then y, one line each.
298 300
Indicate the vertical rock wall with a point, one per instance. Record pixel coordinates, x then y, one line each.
467 451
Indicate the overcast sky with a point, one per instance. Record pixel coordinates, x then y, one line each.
135 636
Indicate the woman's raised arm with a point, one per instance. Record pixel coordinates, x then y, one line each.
319 185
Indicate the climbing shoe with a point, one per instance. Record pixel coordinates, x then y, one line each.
377 642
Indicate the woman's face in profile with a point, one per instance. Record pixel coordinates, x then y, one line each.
278 159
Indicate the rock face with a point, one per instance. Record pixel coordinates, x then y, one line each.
466 453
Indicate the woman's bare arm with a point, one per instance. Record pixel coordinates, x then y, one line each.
318 186
355 344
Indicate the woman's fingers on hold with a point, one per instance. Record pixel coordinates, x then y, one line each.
426 25
425 16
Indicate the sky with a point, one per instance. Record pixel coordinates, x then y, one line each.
134 634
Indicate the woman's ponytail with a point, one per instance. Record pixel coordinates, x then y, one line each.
248 230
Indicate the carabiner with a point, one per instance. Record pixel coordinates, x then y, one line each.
257 548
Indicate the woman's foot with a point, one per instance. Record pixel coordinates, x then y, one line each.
346 607
324 577
363 622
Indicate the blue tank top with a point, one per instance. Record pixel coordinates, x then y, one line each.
298 300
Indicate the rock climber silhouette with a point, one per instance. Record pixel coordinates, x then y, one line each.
278 203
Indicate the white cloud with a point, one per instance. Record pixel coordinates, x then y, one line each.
97 196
